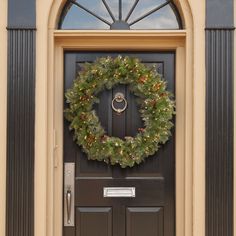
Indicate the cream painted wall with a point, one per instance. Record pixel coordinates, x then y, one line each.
198 12
43 9
198 75
3 111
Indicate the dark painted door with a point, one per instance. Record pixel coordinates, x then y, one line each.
152 211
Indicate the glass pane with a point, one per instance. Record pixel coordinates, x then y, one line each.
164 18
144 7
127 5
114 6
97 16
97 7
77 18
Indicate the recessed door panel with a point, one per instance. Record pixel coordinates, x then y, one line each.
141 221
91 221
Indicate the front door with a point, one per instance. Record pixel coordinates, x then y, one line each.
152 211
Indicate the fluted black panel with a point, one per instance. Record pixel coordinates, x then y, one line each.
20 143
219 14
219 133
21 14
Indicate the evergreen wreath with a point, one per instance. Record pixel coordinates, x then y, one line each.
155 102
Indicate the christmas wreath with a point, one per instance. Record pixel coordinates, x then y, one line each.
155 103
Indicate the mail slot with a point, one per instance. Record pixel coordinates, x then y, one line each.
119 192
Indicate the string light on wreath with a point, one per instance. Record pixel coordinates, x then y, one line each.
155 102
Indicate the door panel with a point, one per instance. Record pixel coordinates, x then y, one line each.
153 208
142 221
94 221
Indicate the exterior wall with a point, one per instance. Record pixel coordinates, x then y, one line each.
234 181
44 9
234 121
3 111
234 209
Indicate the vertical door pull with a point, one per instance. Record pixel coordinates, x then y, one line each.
68 205
69 194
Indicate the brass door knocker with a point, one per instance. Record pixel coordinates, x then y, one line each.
119 98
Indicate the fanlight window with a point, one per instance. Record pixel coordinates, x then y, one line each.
120 15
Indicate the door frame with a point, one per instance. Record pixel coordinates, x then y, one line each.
124 41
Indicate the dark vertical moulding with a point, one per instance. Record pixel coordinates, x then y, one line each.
21 14
20 130
219 132
219 117
21 117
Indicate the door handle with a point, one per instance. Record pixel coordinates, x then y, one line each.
69 194
68 205
119 98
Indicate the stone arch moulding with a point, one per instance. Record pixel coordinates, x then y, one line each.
47 178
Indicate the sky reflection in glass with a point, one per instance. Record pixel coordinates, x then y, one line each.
162 19
107 11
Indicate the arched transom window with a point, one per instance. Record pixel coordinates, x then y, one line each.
120 15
